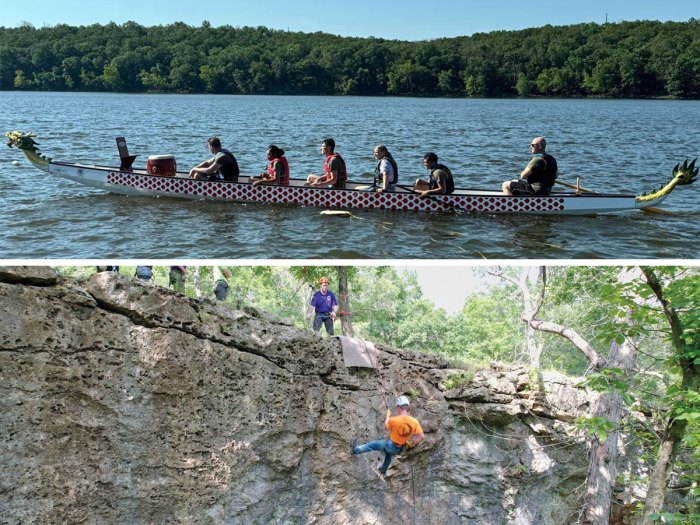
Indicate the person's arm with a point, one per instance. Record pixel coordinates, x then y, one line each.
334 308
206 168
385 181
212 168
331 180
387 418
416 439
439 188
529 169
266 178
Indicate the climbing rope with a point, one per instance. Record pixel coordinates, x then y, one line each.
376 368
413 488
383 393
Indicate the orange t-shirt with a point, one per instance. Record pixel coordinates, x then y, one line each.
401 428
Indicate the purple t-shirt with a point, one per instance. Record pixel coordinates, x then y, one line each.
324 303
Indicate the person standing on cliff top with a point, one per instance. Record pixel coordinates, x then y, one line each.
404 432
177 278
221 277
324 307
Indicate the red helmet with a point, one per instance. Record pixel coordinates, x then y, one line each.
323 280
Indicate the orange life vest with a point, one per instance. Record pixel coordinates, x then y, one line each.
284 181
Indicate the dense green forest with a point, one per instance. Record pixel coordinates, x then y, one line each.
629 59
633 334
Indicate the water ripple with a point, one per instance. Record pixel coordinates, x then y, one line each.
605 143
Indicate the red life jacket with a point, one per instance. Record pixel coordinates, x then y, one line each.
284 181
342 176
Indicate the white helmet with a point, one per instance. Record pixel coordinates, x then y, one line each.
402 401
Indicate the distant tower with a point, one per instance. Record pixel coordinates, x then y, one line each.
606 18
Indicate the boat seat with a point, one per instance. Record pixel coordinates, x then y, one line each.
127 160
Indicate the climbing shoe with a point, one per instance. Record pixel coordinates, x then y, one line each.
354 446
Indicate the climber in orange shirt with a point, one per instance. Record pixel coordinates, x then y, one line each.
404 431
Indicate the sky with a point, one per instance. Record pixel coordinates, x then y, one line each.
391 19
447 286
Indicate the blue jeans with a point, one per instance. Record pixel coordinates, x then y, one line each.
387 445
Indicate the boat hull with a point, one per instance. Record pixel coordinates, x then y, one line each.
356 196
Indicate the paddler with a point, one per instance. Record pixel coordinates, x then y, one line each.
538 176
386 174
440 180
334 171
277 168
222 166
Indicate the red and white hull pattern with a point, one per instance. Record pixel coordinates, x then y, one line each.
355 196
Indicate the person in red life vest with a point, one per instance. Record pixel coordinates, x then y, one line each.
404 432
324 307
222 166
539 175
277 168
334 172
440 180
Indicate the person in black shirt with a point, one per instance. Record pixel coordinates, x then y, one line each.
538 176
222 166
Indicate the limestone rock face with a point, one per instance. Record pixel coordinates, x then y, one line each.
125 403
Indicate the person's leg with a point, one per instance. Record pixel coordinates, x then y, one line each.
179 282
328 322
390 450
221 290
520 187
318 321
372 445
421 185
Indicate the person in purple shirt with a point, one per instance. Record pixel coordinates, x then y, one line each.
324 307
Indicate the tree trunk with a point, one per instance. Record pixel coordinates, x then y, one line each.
344 303
197 281
531 307
602 467
673 435
603 463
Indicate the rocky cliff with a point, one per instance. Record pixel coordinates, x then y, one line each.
127 403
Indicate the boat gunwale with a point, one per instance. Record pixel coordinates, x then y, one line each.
484 192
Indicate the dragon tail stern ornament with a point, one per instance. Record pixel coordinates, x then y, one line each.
683 174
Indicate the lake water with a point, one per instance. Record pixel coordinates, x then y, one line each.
617 146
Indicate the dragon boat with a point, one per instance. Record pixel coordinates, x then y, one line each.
153 182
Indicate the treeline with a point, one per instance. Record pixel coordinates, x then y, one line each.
630 59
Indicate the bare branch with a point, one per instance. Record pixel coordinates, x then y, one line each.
597 361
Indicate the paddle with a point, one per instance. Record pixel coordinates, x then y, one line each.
578 188
433 197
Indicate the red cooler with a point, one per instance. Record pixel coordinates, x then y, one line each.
161 165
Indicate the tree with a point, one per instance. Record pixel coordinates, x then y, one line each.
532 303
614 378
344 302
679 303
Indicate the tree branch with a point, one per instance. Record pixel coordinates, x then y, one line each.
597 361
